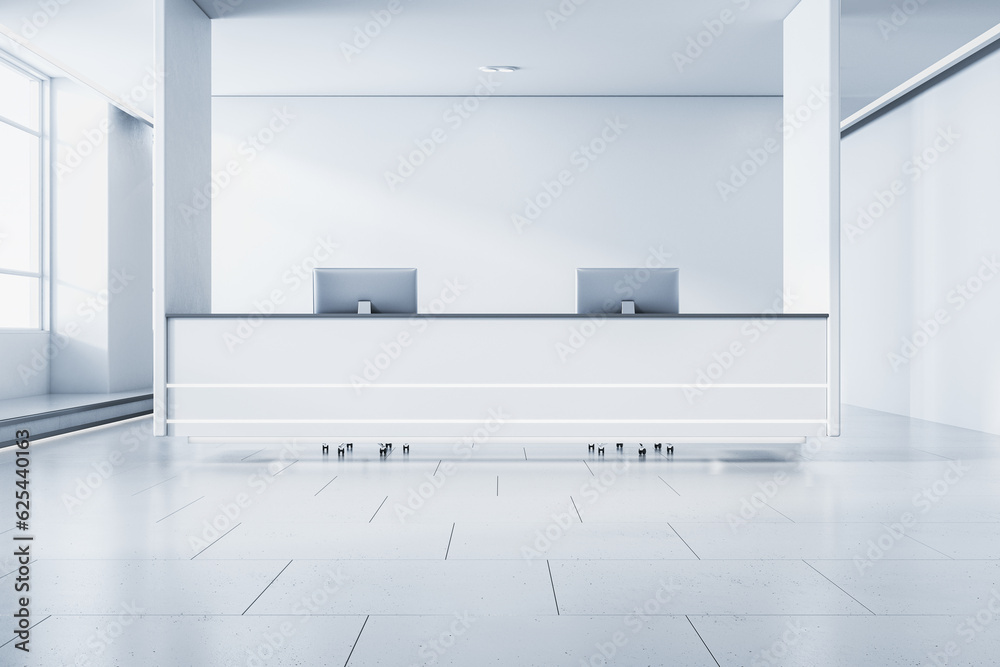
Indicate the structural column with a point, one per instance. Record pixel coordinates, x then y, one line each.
182 217
811 130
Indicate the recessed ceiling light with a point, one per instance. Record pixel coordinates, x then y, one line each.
499 68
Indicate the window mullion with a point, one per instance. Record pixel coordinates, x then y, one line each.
38 183
22 128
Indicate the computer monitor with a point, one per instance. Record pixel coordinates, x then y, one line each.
637 290
356 291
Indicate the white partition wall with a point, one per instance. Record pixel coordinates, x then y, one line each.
182 232
811 130
921 244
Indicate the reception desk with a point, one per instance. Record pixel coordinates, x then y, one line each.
529 377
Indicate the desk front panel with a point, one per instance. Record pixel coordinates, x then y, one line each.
546 377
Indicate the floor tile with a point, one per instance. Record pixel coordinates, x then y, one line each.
68 587
169 641
564 537
696 587
960 540
794 541
546 641
326 541
847 641
408 506
917 587
411 587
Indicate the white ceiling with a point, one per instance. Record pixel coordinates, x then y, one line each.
607 47
434 47
875 57
109 42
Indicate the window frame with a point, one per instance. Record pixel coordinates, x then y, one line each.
44 182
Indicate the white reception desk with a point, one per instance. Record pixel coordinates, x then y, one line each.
530 377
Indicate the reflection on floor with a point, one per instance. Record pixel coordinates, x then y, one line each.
881 547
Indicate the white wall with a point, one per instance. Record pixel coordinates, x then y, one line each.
79 240
101 246
130 253
23 366
294 174
913 345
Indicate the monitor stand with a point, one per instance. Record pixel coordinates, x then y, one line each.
628 307
364 307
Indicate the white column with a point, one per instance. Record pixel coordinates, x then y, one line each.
812 173
182 229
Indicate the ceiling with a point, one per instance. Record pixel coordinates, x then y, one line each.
434 47
878 54
604 47
109 42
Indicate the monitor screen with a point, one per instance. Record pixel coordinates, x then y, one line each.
390 291
654 291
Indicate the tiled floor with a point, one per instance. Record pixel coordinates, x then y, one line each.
880 548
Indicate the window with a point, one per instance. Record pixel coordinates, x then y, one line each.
22 179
